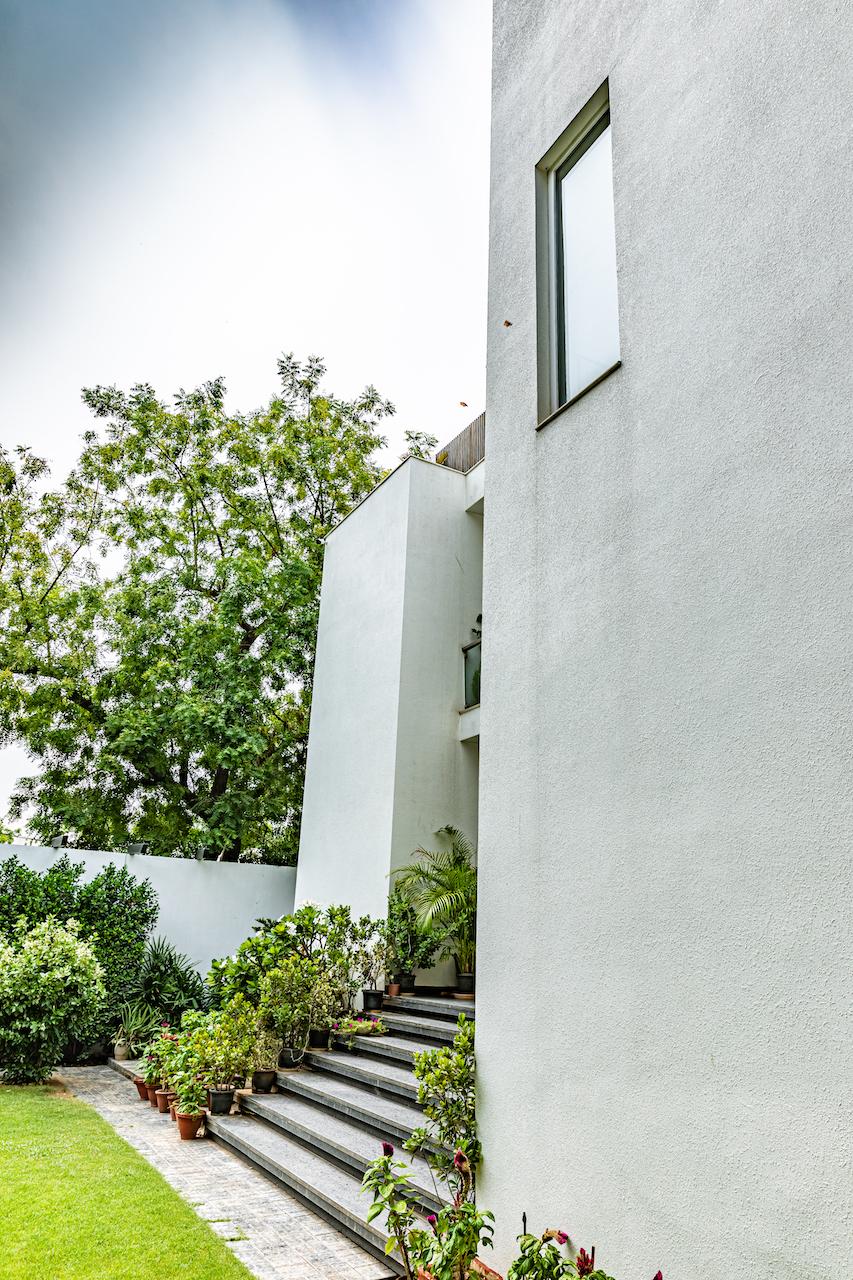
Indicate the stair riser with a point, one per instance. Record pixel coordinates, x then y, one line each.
364 1235
372 1047
436 1034
382 1127
359 1074
347 1160
441 1010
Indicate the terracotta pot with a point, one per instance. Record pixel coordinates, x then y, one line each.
141 1088
173 1110
188 1126
162 1096
152 1094
393 989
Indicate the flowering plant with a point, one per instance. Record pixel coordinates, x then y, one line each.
541 1257
387 1178
358 1025
446 1092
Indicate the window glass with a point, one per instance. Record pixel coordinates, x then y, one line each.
589 324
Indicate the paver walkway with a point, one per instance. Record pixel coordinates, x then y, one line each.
270 1231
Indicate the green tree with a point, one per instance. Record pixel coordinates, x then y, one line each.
158 613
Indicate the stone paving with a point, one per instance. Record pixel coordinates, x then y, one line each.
272 1233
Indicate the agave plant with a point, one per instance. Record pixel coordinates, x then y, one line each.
441 885
169 982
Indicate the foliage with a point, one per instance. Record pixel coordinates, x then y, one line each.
326 937
168 982
77 1202
410 945
190 1094
447 1095
358 1025
541 1258
370 959
136 1024
157 1063
51 989
289 1000
114 910
442 887
387 1179
223 1043
455 1237
419 444
267 1047
166 699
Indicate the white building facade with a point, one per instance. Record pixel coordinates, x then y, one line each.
664 815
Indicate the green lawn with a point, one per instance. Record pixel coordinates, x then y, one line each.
77 1203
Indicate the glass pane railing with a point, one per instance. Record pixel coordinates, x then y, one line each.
471 654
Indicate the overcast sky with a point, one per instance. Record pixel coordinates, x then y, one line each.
189 187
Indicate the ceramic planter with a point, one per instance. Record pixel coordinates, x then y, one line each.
162 1096
372 999
141 1088
263 1081
221 1101
121 1051
289 1059
188 1126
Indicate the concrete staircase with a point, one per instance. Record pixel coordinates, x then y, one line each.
317 1134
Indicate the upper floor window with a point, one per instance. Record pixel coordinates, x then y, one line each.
579 314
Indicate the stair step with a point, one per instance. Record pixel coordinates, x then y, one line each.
125 1068
387 1077
411 1024
324 1186
433 1006
388 1048
343 1140
390 1118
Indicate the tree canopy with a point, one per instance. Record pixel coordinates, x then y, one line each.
158 613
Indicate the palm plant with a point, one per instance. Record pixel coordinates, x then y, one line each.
442 887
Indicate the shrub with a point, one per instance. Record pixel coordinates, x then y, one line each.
410 945
447 1094
115 912
51 991
168 982
289 996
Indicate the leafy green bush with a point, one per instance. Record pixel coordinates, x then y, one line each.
168 982
115 912
51 990
447 1094
410 945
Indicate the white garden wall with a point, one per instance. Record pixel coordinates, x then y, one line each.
206 908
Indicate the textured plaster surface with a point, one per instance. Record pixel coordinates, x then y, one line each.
205 909
402 588
665 813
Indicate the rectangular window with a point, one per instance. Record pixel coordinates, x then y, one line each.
578 292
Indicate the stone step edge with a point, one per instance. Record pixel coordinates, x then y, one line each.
325 1146
363 1233
358 1072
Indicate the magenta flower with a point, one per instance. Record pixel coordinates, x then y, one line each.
586 1262
561 1237
387 1149
460 1161
658 1276
432 1220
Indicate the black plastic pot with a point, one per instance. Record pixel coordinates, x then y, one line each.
221 1101
263 1081
288 1059
406 981
372 998
318 1039
465 984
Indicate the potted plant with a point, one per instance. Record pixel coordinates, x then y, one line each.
441 885
223 1043
265 1053
411 946
189 1104
136 1026
288 1000
370 960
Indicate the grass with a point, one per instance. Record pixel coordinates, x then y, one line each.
76 1202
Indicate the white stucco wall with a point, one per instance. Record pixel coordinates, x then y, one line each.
402 588
665 752
206 909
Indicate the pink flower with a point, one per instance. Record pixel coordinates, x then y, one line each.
460 1161
561 1237
586 1262
658 1276
432 1220
387 1149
